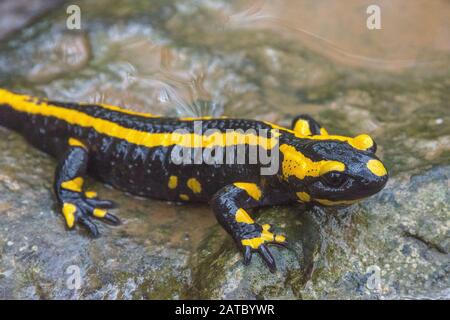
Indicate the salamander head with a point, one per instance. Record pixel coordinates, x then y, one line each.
332 170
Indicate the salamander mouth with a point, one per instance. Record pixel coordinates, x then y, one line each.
351 192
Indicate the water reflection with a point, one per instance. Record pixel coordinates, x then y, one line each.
413 32
153 77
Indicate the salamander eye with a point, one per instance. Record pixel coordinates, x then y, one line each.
334 178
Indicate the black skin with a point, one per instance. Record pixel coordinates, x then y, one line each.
227 200
73 164
145 171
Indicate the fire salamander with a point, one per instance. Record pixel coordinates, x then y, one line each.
178 159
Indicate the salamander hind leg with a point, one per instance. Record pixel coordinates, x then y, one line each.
229 205
78 205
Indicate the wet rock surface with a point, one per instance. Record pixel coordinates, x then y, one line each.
401 236
161 57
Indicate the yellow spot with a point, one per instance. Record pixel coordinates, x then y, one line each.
243 217
76 143
90 194
302 127
99 213
265 236
297 164
173 182
323 132
376 167
69 210
363 142
184 197
194 185
327 202
251 188
303 196
73 185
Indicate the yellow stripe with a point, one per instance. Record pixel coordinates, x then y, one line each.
76 143
28 104
361 142
251 188
24 103
201 118
297 164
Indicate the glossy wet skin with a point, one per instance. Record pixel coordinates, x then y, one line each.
363 174
316 167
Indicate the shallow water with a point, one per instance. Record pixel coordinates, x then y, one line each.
412 34
268 60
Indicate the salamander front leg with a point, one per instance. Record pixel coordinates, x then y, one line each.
307 126
229 205
76 204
